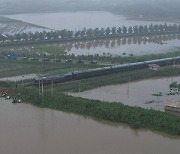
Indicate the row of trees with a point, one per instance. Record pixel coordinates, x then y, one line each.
91 33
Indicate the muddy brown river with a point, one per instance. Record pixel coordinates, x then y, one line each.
26 129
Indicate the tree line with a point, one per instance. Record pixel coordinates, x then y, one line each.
91 33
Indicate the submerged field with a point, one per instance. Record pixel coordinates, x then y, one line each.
11 26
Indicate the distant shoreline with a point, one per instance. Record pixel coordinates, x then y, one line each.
128 16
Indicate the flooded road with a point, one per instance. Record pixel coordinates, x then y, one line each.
25 129
136 93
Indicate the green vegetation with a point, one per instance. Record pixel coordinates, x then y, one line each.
158 94
136 117
50 49
175 85
6 84
10 68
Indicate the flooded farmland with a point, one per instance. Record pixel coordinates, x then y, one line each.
117 47
145 93
100 19
28 129
105 47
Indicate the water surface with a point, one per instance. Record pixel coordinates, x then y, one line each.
26 129
138 93
78 20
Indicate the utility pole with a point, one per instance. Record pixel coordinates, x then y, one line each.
39 87
39 81
22 80
42 92
52 86
79 88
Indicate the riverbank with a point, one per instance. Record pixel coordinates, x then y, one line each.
45 131
116 112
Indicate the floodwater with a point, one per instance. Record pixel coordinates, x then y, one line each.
26 129
101 19
117 47
78 20
110 47
138 93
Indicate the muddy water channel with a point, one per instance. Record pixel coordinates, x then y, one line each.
25 129
142 93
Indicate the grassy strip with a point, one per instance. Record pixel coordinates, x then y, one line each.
5 84
10 68
118 78
136 117
175 85
50 49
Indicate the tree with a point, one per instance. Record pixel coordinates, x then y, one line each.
10 37
151 28
89 32
77 34
175 28
83 32
113 30
2 38
18 37
165 27
156 28
25 36
141 29
179 28
36 36
63 33
161 28
108 31
119 30
102 32
96 32
124 30
130 30
145 29
135 29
